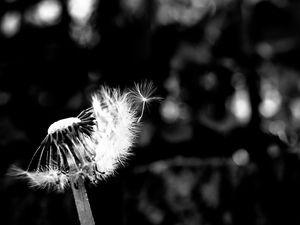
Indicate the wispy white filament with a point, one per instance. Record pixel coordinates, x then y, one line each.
91 145
142 94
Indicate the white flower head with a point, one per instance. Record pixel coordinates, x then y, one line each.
91 145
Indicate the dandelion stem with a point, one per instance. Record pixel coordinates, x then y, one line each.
142 113
81 201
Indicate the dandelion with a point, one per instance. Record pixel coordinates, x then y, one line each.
89 146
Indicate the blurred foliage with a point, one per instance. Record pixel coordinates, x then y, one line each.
228 72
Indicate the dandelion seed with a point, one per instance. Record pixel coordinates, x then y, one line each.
143 94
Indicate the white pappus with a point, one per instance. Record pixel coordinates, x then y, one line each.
91 145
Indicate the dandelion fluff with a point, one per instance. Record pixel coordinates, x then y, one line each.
93 144
115 130
50 178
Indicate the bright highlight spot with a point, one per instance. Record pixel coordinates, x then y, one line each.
144 99
81 29
10 23
271 102
240 105
81 10
46 12
241 157
170 110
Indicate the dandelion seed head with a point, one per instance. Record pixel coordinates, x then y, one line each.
93 144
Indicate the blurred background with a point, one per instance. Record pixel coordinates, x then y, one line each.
222 147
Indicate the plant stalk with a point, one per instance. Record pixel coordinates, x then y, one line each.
82 202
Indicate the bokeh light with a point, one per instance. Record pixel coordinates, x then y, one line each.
81 28
240 105
45 13
170 110
277 128
84 35
241 157
10 23
271 99
81 11
187 12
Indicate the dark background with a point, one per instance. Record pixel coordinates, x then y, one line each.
220 148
